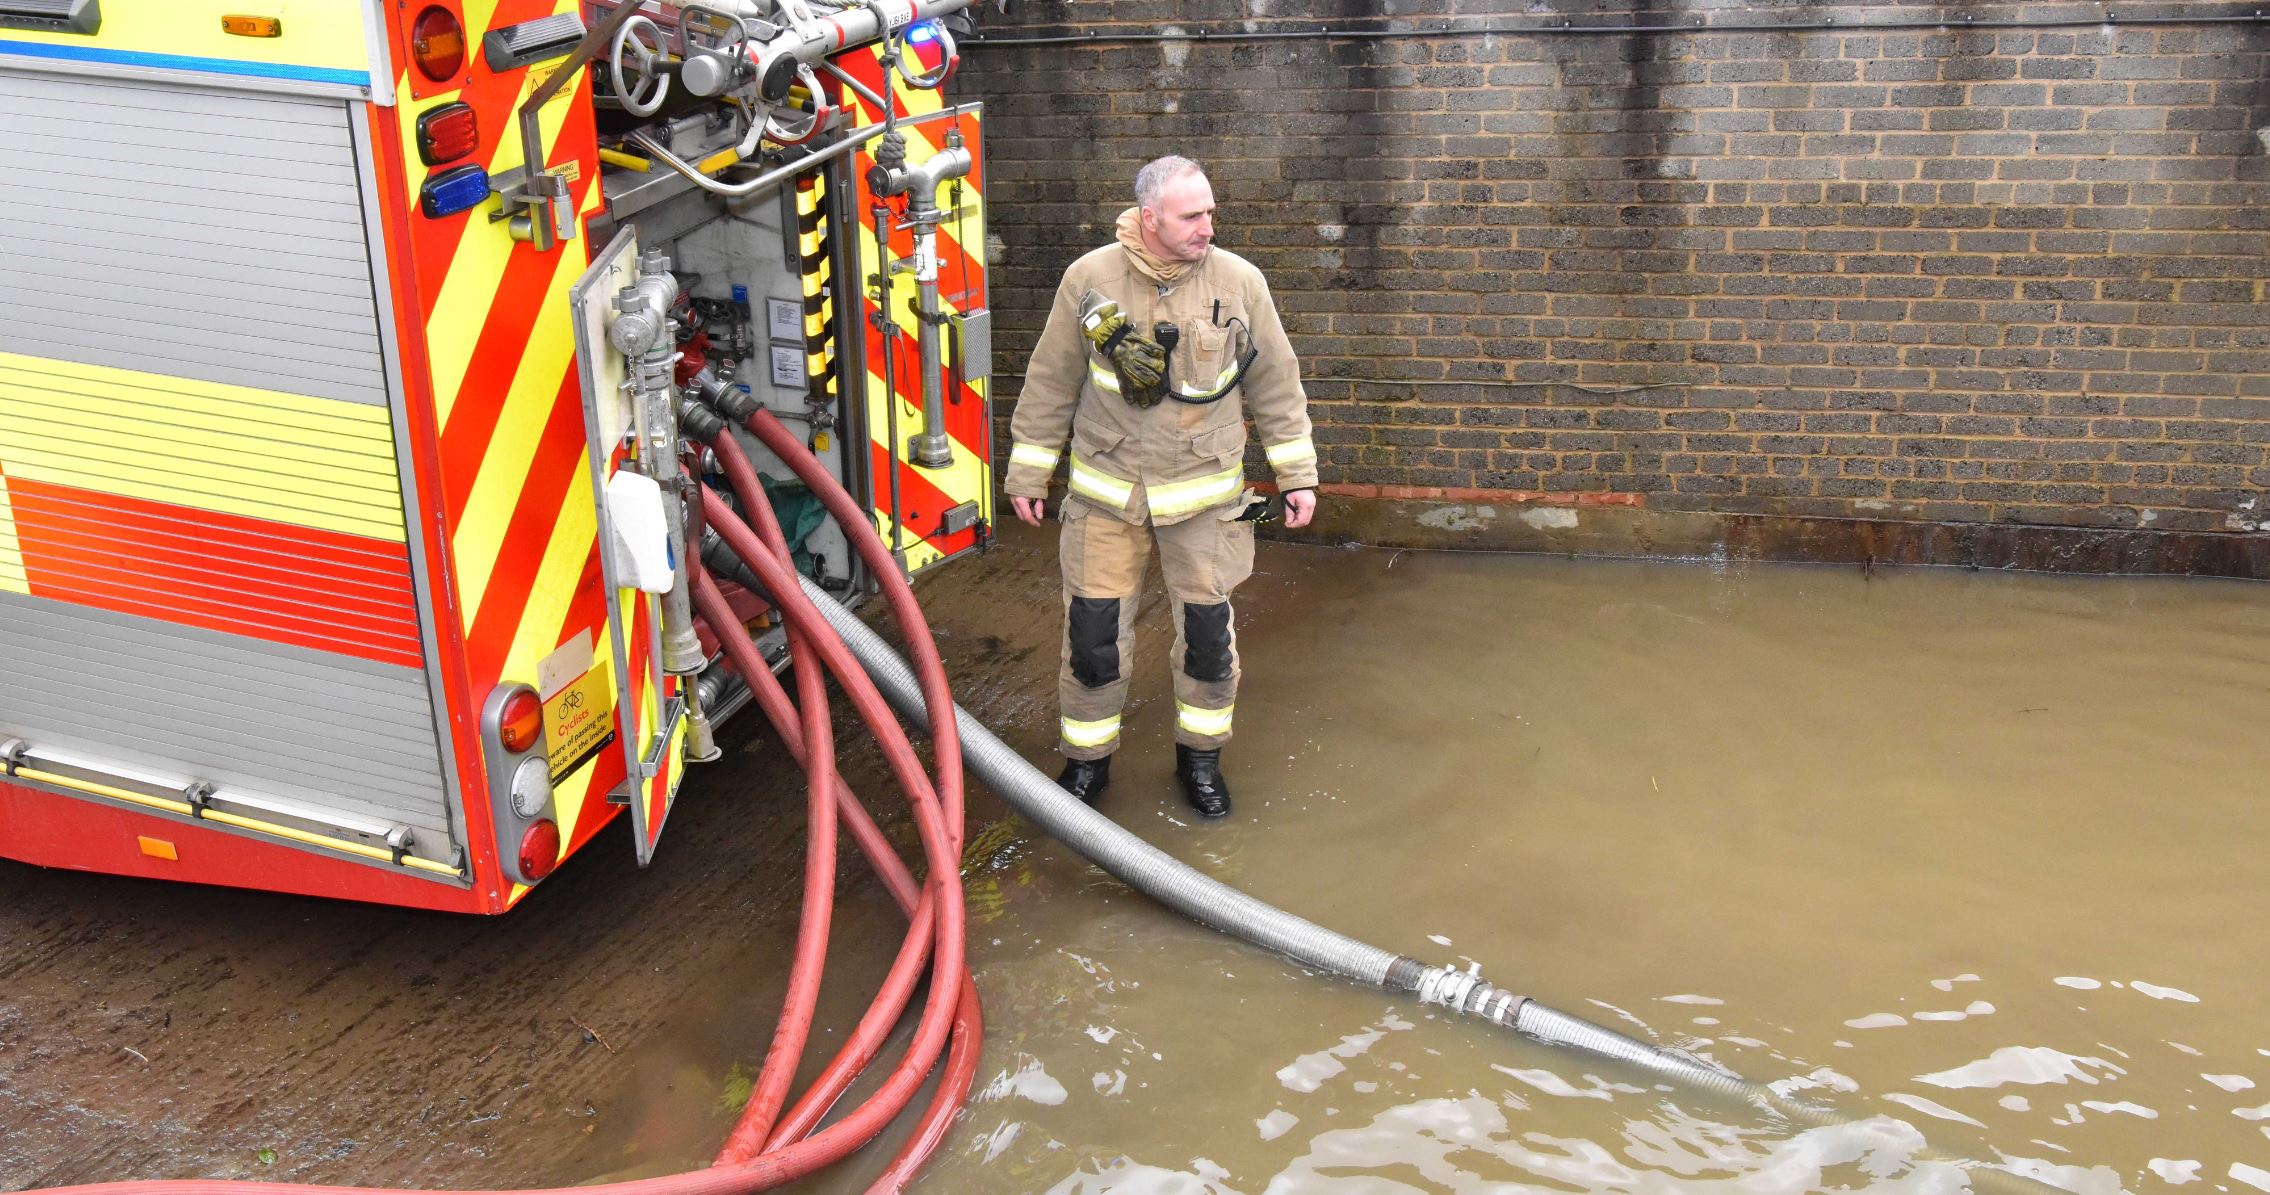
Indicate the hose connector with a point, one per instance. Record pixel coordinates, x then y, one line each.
697 420
708 384
718 557
701 735
1467 992
737 404
643 309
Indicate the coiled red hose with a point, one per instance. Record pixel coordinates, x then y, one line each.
767 1149
946 744
755 1129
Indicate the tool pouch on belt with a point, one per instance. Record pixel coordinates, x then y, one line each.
1138 363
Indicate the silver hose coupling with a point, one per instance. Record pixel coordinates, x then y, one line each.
1467 992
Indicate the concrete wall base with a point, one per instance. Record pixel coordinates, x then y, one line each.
1578 529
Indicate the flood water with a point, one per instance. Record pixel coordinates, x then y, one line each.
1975 856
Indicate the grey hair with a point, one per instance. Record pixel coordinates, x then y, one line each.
1153 179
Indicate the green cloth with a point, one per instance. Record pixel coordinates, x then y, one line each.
800 514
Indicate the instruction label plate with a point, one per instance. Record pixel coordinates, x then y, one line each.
788 367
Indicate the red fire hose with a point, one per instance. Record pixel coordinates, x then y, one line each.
756 1119
767 1148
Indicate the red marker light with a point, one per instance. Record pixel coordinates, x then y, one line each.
521 722
539 850
437 44
448 133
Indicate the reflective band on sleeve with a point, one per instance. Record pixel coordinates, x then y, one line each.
1182 497
1033 455
1198 721
1291 452
1097 733
1103 378
1090 482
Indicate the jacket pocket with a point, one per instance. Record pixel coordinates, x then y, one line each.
1223 445
1092 440
1096 473
1206 365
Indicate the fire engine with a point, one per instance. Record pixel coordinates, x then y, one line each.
344 523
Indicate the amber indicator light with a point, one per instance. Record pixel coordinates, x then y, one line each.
240 25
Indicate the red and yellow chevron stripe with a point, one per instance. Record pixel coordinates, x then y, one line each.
925 495
505 464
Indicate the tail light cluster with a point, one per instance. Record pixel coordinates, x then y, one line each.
437 43
451 132
519 770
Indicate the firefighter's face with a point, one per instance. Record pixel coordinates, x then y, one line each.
1181 223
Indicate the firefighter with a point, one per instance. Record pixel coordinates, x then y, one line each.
1149 348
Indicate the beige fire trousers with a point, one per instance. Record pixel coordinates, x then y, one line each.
1104 558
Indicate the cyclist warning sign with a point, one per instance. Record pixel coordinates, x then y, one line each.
579 720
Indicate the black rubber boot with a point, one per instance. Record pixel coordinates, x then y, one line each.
1086 778
1202 785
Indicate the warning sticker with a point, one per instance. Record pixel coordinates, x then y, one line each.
579 721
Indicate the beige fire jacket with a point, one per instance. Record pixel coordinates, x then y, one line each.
1174 460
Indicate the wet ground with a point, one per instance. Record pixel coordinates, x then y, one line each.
1974 855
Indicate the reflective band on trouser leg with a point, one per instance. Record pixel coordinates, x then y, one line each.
1182 497
1097 733
1291 452
1093 483
1034 455
1104 378
1205 722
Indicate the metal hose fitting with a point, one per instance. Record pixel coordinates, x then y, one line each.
720 560
1467 992
697 420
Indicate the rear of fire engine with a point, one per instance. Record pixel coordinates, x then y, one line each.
346 515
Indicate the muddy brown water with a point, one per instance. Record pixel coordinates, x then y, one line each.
1972 856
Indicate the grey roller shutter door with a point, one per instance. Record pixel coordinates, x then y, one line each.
202 234
220 237
330 731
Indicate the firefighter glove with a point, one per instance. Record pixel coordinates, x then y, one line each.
1138 363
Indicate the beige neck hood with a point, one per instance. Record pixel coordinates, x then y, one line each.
1150 265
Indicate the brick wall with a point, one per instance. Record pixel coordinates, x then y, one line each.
2011 275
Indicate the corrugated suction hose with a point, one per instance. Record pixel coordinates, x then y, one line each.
1202 898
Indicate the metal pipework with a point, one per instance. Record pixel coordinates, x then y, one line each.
540 205
701 734
811 43
661 153
644 332
933 448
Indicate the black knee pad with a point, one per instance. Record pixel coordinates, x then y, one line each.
1206 633
1094 630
